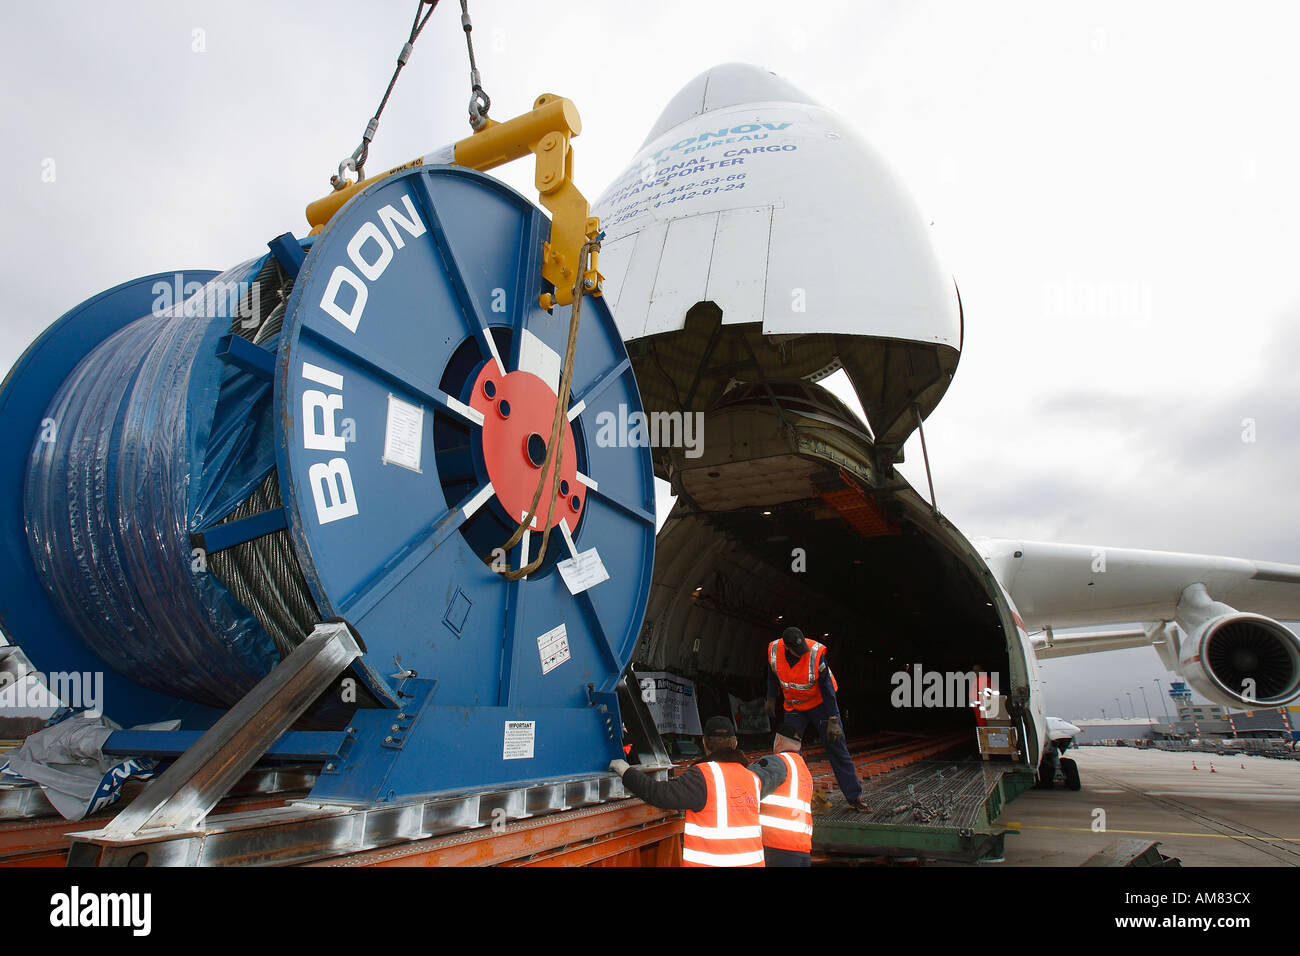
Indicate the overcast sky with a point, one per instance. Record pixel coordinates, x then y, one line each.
1113 186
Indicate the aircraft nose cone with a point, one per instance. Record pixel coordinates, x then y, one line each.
752 203
729 84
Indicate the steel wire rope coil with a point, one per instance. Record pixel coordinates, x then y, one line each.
153 434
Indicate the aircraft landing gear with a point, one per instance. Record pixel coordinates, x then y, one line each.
1053 767
1048 766
1070 771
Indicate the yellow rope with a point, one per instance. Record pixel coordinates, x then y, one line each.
555 448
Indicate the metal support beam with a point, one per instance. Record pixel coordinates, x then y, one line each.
925 453
309 830
181 798
647 744
297 746
288 252
238 351
230 533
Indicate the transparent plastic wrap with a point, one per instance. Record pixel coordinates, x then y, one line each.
150 438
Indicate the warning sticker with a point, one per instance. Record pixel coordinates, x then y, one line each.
553 648
403 434
519 738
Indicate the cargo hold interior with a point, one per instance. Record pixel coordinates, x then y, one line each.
784 517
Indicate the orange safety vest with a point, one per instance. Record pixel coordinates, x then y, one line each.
799 680
726 832
982 684
786 815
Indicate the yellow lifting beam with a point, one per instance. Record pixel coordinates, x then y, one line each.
544 131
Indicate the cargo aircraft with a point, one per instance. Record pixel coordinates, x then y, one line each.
754 246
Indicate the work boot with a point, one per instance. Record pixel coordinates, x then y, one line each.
859 805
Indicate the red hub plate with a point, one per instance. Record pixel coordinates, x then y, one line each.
518 410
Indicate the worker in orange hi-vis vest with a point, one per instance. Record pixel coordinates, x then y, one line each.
983 690
786 815
799 672
720 793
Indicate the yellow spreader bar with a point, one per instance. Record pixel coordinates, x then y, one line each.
545 131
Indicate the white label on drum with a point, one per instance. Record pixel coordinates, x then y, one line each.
404 434
582 571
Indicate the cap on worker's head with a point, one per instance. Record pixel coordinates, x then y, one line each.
719 727
787 738
791 634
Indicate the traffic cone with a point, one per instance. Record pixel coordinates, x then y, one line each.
1212 770
1193 764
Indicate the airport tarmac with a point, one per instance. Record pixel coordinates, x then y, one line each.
1245 813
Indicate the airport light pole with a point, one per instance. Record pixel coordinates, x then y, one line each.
1121 708
1164 705
1144 703
1131 708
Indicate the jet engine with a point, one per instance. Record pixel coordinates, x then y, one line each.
1236 658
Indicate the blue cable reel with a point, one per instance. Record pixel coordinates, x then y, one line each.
386 431
419 299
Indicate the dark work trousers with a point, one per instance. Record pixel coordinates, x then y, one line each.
846 775
774 857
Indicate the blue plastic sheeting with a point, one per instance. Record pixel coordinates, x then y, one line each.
153 436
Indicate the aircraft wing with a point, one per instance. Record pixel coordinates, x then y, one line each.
1213 620
1070 585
